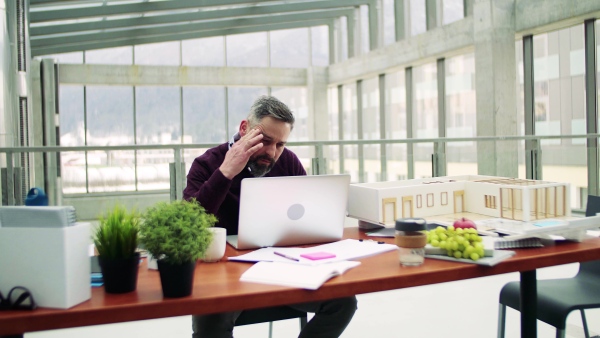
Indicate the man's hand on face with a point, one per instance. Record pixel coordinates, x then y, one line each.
238 155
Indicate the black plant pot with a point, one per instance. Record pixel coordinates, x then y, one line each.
177 280
120 275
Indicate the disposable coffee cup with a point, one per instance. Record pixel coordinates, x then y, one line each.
411 240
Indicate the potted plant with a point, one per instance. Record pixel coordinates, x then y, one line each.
116 240
177 235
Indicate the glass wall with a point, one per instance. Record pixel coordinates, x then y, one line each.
111 56
158 54
425 116
203 52
239 100
319 37
389 22
211 114
461 117
350 130
371 129
247 50
395 125
559 104
453 10
341 43
332 153
520 100
289 48
418 24
364 29
72 133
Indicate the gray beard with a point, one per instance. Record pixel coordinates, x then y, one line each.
258 170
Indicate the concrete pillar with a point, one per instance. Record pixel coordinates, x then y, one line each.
495 80
8 105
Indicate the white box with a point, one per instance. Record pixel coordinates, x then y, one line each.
53 263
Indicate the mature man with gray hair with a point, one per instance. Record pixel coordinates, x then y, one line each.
256 150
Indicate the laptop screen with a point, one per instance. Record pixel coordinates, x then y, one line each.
292 210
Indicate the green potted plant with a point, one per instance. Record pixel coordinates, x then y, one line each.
177 235
116 240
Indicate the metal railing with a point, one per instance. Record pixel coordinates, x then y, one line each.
319 157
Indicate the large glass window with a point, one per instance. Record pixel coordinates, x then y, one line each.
320 45
247 50
110 170
157 115
349 114
341 43
157 122
461 117
425 116
239 101
72 133
370 109
72 123
296 99
389 22
110 56
395 125
559 98
370 129
331 153
364 29
453 10
425 103
350 130
203 52
289 48
559 67
105 105
418 24
204 115
154 54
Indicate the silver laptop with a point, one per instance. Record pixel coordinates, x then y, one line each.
291 210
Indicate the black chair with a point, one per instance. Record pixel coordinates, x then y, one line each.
556 298
271 315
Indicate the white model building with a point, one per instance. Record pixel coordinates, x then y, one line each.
500 197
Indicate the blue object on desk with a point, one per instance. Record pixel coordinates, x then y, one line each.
97 279
36 197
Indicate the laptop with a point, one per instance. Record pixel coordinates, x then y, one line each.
291 210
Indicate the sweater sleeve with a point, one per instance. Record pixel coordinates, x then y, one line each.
208 186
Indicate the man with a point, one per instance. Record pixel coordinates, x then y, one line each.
258 149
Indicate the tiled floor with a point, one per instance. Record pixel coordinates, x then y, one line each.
464 309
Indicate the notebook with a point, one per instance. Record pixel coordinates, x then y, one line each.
291 210
296 275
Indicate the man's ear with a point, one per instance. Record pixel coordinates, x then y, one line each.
244 127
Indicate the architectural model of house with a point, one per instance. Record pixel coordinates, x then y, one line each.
497 197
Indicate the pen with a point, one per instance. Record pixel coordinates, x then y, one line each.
370 240
286 256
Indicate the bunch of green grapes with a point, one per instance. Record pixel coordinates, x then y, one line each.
458 243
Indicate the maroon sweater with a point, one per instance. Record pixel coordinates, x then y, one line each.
221 196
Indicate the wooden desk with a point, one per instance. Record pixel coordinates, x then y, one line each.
217 288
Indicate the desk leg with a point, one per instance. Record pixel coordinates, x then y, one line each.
528 304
